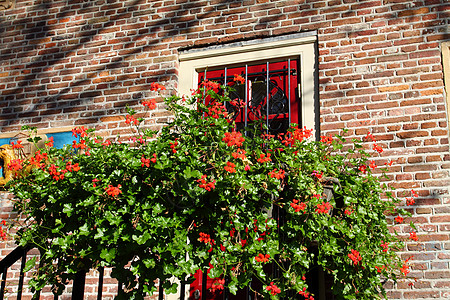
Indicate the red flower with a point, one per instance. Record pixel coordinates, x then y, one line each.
370 136
273 289
239 78
354 256
50 142
240 153
70 167
263 158
153 159
173 145
145 162
372 165
113 191
317 174
210 85
230 167
154 86
326 139
277 174
56 173
16 165
348 212
413 236
205 238
262 258
306 294
323 208
81 145
399 219
151 104
218 285
298 207
17 146
131 119
206 185
385 246
233 138
79 131
362 169
410 201
377 148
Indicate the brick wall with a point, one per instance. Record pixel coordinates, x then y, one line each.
80 62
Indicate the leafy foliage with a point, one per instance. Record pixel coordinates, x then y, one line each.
198 194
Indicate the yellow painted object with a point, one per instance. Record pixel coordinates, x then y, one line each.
6 155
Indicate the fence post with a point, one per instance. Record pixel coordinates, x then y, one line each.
78 285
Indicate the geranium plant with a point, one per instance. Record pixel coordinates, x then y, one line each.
198 194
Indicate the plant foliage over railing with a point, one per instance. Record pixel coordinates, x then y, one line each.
198 194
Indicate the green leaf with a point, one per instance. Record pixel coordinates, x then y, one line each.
30 264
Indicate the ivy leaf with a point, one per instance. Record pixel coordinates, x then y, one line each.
108 255
30 264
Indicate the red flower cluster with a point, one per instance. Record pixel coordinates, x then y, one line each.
230 167
262 258
411 201
380 269
348 212
146 161
301 206
17 146
55 173
377 148
326 139
399 219
306 294
277 174
323 208
70 167
206 185
405 268
37 159
317 174
50 143
263 158
151 104
205 238
81 145
372 165
354 256
210 85
131 119
113 191
273 289
81 131
174 145
233 138
239 78
385 246
240 153
3 233
15 165
154 86
217 110
299 134
218 285
413 236
362 169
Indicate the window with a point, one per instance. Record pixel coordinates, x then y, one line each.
280 69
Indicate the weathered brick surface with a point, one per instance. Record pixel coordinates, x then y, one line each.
75 62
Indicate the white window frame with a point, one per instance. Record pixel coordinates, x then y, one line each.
301 46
